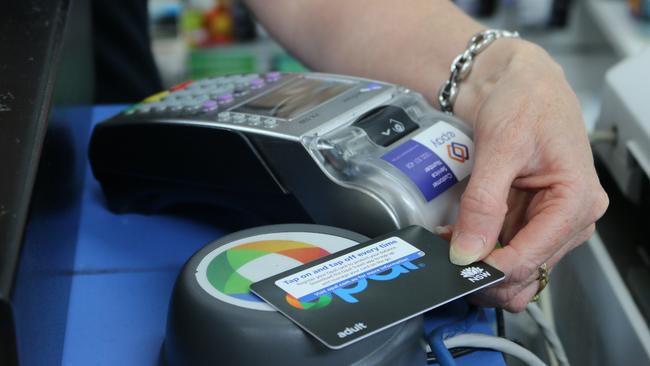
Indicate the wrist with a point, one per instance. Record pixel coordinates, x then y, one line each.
491 70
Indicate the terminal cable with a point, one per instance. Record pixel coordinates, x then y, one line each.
501 326
436 337
455 335
478 340
549 334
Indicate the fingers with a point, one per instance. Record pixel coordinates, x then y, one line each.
513 302
518 202
547 231
561 218
518 303
482 207
577 240
520 285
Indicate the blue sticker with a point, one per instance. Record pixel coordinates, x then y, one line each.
423 166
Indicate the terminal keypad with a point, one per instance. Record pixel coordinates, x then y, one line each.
212 95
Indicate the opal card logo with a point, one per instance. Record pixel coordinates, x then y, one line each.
458 152
474 274
227 272
321 302
347 294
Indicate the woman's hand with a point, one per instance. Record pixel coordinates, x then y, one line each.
533 181
533 185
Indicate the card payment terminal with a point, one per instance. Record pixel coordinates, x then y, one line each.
336 150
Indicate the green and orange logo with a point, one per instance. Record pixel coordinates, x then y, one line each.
228 271
321 302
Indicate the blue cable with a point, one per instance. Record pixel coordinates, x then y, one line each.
437 336
443 356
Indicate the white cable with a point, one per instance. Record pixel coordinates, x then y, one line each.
477 340
549 334
547 308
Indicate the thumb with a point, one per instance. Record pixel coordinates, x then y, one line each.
483 207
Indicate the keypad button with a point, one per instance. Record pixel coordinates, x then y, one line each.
191 108
193 87
223 116
198 100
256 83
238 118
272 76
241 89
210 105
225 98
187 102
184 95
156 97
241 93
254 121
215 93
181 86
270 122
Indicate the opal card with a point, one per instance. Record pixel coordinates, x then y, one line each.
352 294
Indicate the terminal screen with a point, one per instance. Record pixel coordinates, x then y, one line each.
295 98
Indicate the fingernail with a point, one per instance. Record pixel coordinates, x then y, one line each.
442 230
466 248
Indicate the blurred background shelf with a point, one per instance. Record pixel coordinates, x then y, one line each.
627 35
597 34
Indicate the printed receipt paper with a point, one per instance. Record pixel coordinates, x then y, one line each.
352 294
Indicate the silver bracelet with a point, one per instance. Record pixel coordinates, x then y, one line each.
462 65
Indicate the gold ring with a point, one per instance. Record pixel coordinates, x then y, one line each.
542 279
